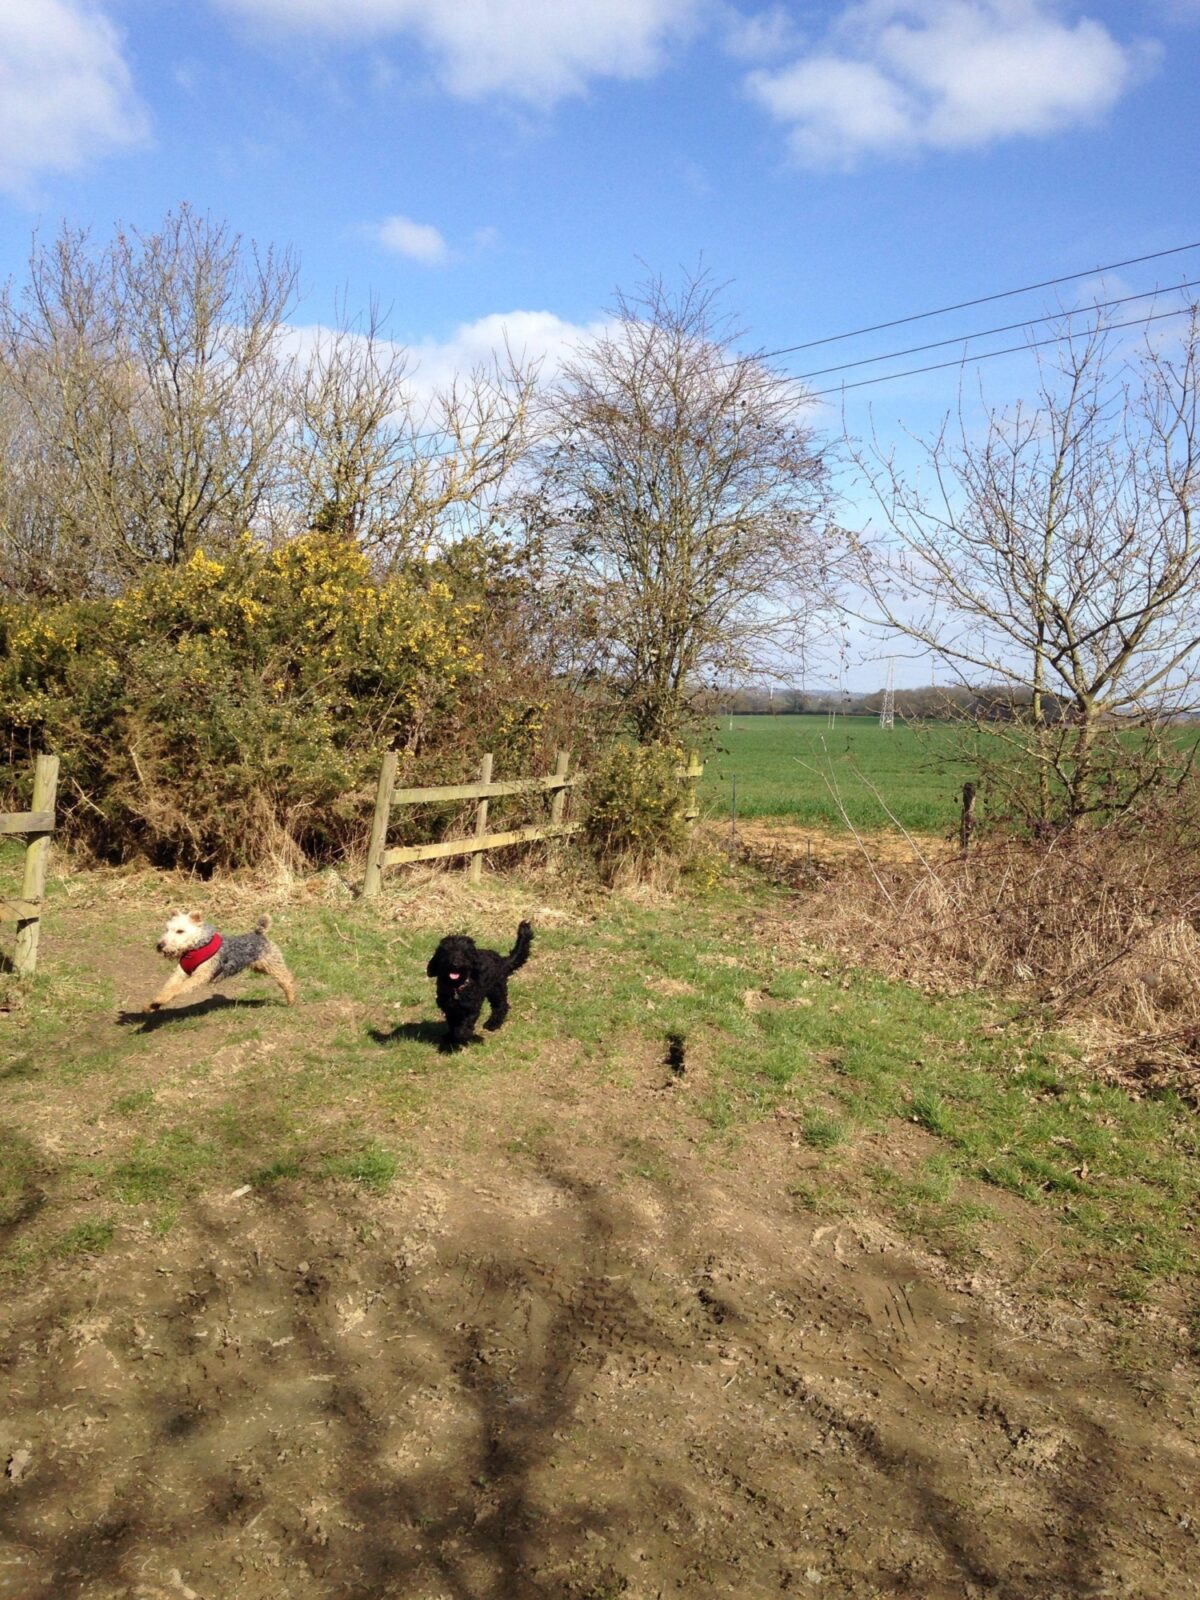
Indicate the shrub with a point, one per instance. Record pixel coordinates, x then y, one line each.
634 808
1099 926
1036 780
226 711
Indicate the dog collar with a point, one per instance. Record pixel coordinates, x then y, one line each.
191 959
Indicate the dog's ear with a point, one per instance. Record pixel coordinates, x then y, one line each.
194 916
431 971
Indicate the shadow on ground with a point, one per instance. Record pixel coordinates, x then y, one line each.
149 1021
423 1032
537 1383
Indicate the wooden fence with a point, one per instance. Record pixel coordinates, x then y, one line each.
388 798
37 825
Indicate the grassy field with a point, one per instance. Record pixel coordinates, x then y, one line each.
295 1303
778 1023
800 768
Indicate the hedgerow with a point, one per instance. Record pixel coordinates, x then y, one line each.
226 711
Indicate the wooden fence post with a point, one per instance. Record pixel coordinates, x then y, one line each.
694 769
37 856
481 816
373 876
967 826
562 760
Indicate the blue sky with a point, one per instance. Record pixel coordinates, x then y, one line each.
473 163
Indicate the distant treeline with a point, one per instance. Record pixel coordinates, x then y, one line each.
932 702
990 703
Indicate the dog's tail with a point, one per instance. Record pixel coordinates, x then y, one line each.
519 954
264 922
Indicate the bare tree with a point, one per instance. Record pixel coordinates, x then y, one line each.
150 378
1057 555
681 495
372 461
39 559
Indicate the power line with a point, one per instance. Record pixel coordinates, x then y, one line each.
987 355
920 316
963 305
965 359
1009 327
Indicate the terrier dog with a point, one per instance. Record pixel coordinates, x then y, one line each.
467 976
205 957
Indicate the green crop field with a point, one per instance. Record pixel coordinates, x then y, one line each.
798 768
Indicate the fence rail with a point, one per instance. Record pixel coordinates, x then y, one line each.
401 854
388 798
480 791
37 825
26 822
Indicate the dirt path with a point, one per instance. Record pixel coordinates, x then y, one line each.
527 1373
582 1348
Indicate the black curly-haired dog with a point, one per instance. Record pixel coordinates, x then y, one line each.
467 976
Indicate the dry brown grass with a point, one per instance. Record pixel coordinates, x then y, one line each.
1100 927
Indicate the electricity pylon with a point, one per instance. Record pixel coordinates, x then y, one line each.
887 714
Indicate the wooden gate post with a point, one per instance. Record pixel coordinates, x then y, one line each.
373 876
481 816
37 857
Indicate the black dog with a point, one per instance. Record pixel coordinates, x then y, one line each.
467 976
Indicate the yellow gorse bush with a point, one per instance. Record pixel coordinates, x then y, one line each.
223 705
636 804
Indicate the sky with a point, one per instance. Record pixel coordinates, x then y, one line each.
482 168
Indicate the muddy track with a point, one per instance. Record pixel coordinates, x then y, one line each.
539 1382
531 1372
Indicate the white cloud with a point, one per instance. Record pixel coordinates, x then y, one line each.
432 365
898 76
66 94
418 241
530 336
534 50
759 35
836 105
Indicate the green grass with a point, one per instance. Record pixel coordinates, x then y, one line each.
19 1168
824 1132
372 1167
158 1169
939 1113
85 1238
800 768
